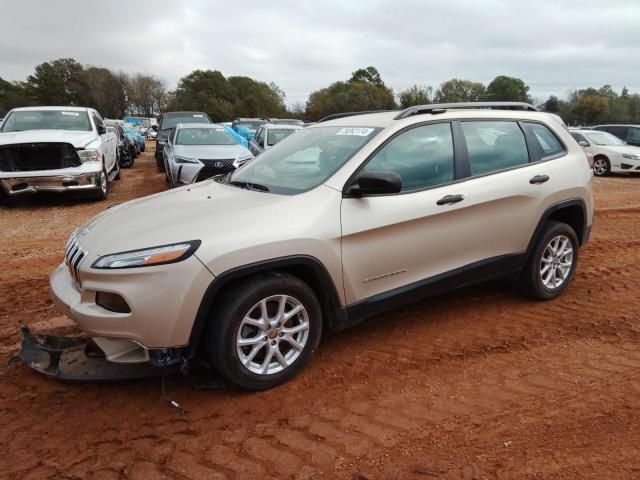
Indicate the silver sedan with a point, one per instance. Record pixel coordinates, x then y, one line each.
198 151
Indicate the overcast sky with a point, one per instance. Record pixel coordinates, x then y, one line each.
554 45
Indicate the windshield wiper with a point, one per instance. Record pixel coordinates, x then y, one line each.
249 185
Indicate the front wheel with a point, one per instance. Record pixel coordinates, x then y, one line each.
103 184
263 332
552 263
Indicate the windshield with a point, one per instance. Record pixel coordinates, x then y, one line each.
277 134
289 122
604 139
305 160
46 120
173 120
204 136
253 126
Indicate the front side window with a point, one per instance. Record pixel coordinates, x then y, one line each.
46 120
304 161
494 146
422 156
578 137
547 141
204 136
261 137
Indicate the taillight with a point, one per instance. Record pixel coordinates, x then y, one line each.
590 159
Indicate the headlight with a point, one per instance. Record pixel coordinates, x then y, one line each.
631 156
89 155
238 162
149 256
186 160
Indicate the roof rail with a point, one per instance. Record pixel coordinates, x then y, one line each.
348 114
442 107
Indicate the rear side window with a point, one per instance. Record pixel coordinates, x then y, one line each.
494 146
422 156
547 142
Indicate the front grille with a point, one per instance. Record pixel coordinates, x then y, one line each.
215 167
73 256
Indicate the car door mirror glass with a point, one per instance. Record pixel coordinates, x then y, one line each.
375 182
583 143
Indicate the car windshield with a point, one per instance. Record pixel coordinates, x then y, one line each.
173 120
603 138
277 134
46 120
204 136
289 122
305 160
253 126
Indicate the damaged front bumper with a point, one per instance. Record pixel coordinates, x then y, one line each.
78 359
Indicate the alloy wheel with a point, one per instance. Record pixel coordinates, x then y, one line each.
600 167
272 335
556 262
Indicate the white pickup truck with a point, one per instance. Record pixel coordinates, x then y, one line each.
57 149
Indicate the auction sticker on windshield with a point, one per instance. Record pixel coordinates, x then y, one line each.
359 132
71 114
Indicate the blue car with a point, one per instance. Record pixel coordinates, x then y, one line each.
138 138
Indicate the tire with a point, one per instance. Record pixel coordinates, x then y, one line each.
227 325
132 155
541 284
601 166
117 165
142 147
103 192
160 162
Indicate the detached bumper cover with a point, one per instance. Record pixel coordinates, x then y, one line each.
77 359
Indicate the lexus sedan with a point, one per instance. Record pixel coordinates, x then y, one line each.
198 151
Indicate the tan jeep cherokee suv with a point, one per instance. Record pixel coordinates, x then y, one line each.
340 221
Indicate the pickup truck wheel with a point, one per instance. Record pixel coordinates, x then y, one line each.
103 183
263 332
552 263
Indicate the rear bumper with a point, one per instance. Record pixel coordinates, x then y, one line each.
19 183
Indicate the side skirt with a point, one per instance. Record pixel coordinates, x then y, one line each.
502 266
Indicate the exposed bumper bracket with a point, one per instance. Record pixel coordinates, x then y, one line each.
77 359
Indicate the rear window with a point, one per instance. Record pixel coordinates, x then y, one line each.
494 146
549 144
46 120
170 121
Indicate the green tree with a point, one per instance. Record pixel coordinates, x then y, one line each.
12 95
107 93
552 104
511 89
415 96
591 108
458 90
60 82
368 75
207 91
257 99
365 90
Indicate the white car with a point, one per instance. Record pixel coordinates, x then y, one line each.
268 135
610 154
57 149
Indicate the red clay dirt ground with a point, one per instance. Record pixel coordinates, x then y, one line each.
480 384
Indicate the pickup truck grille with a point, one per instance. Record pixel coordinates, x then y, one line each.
215 167
28 157
73 256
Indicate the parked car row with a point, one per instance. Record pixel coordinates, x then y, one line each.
609 153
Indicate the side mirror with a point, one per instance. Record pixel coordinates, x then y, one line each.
583 143
102 129
375 182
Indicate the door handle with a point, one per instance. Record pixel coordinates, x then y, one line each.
539 179
449 199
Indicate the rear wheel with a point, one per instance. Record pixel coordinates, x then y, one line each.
601 166
263 332
552 263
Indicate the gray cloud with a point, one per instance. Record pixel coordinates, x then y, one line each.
554 45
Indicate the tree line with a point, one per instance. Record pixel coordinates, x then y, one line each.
116 94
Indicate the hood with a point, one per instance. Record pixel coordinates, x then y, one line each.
621 148
177 215
75 138
211 152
